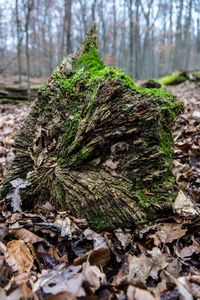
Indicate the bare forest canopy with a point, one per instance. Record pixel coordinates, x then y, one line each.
145 38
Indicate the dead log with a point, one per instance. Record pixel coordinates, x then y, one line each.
96 145
16 93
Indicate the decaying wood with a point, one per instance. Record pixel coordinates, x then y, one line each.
16 93
96 145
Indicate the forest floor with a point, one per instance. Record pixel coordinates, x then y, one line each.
51 255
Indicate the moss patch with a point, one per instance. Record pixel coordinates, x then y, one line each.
173 79
196 75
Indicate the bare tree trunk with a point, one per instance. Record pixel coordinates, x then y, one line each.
170 39
131 37
150 19
137 40
114 40
94 2
68 25
28 6
187 38
19 40
103 25
178 39
83 6
198 39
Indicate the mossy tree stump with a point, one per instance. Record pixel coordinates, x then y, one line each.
96 145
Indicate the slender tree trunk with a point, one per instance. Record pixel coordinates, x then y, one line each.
83 6
103 24
187 39
93 10
137 40
19 39
131 37
170 39
28 8
114 40
178 40
198 39
68 26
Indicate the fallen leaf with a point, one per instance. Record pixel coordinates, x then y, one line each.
2 294
123 237
26 235
14 195
98 257
184 206
135 293
167 233
62 296
18 256
64 223
93 276
142 267
98 240
187 252
59 280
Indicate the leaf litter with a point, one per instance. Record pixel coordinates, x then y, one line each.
53 255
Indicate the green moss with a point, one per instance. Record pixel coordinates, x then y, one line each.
172 79
165 145
77 158
97 222
169 102
143 198
160 93
61 192
97 70
44 90
196 75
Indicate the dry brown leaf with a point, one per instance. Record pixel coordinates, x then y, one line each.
64 223
135 293
98 257
93 276
62 296
184 288
187 252
167 233
26 235
14 195
3 294
3 248
61 280
140 268
19 257
98 240
184 206
123 237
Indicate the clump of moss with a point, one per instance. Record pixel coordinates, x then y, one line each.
196 75
173 79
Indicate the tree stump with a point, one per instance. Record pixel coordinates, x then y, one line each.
96 145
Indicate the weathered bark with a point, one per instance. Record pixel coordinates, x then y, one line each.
96 145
